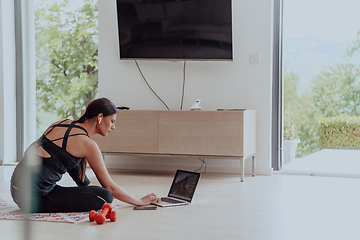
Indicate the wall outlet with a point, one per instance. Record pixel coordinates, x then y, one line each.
254 58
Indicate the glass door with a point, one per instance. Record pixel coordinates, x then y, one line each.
321 46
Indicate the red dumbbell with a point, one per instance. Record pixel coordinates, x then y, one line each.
112 216
106 213
92 215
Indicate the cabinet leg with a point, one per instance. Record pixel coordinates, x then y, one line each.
253 166
242 169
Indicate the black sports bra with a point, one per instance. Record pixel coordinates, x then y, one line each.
59 162
66 135
58 153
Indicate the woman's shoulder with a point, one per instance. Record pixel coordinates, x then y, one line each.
89 144
65 121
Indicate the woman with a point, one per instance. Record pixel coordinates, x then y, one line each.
66 146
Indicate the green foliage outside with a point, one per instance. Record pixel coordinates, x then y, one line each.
334 92
289 126
340 132
66 56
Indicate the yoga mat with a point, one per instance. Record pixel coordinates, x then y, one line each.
10 211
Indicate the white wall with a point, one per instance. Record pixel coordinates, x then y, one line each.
236 84
7 83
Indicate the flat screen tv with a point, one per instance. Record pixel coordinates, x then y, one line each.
175 29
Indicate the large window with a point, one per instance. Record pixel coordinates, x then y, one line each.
322 77
66 58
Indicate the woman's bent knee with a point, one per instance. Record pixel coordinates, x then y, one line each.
104 194
108 196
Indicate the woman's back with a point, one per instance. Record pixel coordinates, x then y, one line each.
66 135
60 151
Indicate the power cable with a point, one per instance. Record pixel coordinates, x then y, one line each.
150 86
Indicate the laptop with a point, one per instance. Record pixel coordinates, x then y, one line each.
182 189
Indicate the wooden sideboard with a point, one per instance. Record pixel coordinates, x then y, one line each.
206 134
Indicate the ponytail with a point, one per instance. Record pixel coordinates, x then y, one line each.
81 119
82 168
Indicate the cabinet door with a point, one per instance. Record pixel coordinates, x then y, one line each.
135 132
201 133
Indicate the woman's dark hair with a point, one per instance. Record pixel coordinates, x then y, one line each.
100 105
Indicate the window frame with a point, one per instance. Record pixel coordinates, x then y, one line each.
277 90
25 75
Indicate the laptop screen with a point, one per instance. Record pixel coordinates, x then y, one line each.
184 185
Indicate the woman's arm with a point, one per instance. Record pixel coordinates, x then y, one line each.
94 157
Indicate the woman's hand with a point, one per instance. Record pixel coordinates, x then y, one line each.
149 199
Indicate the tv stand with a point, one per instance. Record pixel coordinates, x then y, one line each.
207 134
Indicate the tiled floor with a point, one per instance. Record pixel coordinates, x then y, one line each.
279 207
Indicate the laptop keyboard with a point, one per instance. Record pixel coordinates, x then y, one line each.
168 200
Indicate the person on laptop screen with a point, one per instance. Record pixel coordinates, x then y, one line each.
66 146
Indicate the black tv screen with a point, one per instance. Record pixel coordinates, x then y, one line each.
175 29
